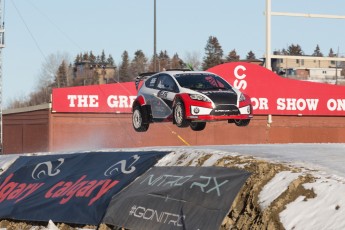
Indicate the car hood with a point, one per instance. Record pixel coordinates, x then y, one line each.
221 97
218 97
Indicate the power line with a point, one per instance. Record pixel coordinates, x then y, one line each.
55 25
28 29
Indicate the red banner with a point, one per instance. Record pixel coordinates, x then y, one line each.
108 98
270 93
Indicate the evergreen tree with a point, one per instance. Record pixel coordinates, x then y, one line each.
214 53
61 76
331 53
151 65
232 56
295 50
251 55
317 52
163 60
124 68
85 57
284 52
176 62
103 58
110 60
138 64
92 58
77 59
98 60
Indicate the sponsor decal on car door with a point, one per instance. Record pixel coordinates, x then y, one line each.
164 95
161 104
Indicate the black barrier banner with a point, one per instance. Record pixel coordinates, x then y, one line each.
70 188
177 198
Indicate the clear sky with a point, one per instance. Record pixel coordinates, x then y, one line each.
74 26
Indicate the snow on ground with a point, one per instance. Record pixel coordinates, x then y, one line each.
275 187
325 211
323 163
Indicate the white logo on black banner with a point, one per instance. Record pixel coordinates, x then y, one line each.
46 169
206 184
114 168
157 216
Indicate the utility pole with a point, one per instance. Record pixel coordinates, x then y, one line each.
336 68
2 45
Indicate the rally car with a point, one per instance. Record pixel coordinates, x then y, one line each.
188 98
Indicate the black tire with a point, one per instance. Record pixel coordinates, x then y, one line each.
197 126
138 120
180 115
242 122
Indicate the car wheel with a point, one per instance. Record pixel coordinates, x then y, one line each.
242 122
137 120
180 115
197 126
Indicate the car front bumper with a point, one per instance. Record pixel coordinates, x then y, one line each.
220 113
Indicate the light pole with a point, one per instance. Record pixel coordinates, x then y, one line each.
268 34
154 39
2 45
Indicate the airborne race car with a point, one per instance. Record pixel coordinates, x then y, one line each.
188 98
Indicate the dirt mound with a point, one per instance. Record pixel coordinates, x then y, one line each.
246 211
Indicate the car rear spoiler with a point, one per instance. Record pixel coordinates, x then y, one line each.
141 77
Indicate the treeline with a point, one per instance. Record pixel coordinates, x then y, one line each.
89 69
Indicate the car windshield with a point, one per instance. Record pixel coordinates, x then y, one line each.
200 81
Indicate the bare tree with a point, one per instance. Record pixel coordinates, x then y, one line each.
193 59
50 68
46 79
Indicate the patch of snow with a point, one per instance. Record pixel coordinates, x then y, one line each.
325 211
6 161
213 159
275 187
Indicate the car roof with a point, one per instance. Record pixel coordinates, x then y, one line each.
175 72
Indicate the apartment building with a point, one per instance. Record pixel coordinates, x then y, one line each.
308 69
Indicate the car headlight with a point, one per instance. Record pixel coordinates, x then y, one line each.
242 97
199 97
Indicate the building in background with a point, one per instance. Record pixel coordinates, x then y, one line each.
312 70
87 73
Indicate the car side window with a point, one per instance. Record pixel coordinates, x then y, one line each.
150 83
165 82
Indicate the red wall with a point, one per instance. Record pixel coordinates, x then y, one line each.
42 131
91 131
